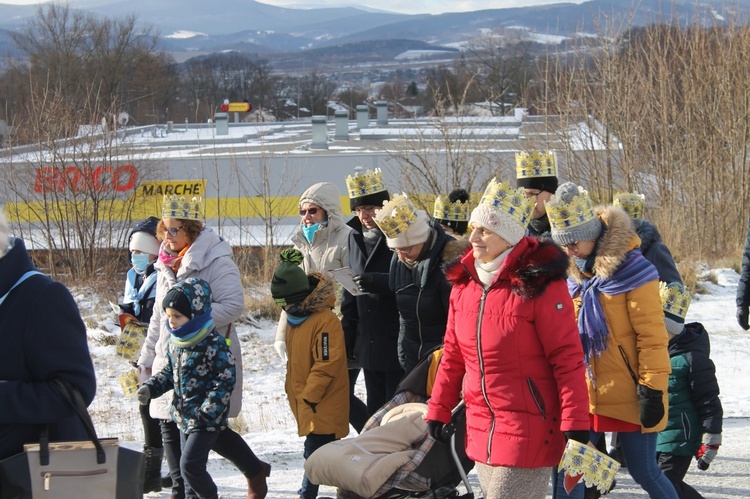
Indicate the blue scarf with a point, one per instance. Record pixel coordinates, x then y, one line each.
635 271
135 296
294 317
193 331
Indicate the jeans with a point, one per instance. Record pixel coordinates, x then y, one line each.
639 450
195 449
357 409
675 468
381 387
313 442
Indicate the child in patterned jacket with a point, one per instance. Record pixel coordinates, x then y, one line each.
200 369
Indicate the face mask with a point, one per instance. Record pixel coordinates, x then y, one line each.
309 232
140 262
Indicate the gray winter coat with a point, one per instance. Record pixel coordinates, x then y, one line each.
209 258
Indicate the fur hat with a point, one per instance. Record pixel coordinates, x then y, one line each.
4 235
401 223
454 213
675 301
290 284
366 189
143 237
631 202
536 170
571 215
504 210
190 297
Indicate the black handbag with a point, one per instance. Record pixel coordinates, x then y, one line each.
91 469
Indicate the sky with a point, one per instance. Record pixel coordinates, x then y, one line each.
411 7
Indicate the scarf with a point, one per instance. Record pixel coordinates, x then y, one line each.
294 317
487 271
170 259
635 271
193 331
135 296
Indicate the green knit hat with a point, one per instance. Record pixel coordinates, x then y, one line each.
289 284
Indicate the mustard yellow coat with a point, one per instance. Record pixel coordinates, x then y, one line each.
637 347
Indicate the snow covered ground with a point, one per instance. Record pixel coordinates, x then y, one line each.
268 426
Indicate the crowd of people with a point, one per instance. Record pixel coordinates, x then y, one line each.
559 321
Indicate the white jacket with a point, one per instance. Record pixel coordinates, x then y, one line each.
209 258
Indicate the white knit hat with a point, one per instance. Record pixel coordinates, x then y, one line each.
4 234
505 210
145 242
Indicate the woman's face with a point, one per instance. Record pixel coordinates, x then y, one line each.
486 245
175 236
311 214
580 249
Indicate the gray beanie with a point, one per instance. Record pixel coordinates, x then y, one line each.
571 215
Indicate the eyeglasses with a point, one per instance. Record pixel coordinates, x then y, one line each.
172 231
364 209
403 250
311 211
532 194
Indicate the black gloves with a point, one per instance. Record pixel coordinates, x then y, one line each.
578 435
650 406
312 405
364 282
742 317
435 428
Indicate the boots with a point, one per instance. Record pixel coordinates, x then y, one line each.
153 480
257 488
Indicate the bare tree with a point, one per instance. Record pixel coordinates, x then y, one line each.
315 90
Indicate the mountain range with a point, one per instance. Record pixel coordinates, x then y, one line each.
250 26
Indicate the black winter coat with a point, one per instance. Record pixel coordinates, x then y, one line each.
370 321
656 252
743 286
43 338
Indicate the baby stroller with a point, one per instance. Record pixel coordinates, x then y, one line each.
433 470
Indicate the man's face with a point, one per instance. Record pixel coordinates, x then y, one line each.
365 213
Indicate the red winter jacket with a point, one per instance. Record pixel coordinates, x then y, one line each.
517 346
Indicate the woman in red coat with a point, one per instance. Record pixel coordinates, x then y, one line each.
512 346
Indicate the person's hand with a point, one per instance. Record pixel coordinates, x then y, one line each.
280 346
435 429
364 282
708 450
650 406
742 317
312 405
144 373
143 395
582 436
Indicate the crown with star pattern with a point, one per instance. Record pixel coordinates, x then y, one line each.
531 164
631 202
508 200
396 216
362 184
182 208
562 215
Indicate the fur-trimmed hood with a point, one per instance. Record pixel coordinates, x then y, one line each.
320 298
617 240
530 267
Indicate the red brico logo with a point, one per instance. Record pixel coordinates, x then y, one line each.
77 179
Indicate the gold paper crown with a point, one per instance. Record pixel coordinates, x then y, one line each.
573 214
180 207
445 210
511 201
631 202
361 184
535 164
396 216
675 299
597 468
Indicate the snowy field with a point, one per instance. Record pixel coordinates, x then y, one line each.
268 426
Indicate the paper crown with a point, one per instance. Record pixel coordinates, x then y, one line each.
508 200
361 184
597 468
396 216
535 164
675 300
575 213
631 202
445 210
180 207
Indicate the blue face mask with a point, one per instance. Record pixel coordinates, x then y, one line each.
140 262
309 232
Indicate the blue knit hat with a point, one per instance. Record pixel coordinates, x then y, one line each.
190 297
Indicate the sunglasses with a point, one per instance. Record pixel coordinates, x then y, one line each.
173 231
311 211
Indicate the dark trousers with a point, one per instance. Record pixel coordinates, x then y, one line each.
229 445
151 427
313 442
195 449
381 387
358 415
675 468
